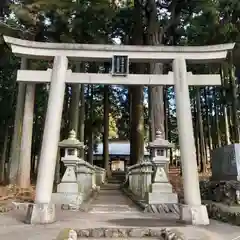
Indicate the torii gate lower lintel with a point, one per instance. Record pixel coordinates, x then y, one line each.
130 79
192 211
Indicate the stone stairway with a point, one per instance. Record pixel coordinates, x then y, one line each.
112 200
117 177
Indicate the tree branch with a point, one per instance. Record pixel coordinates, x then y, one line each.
174 18
14 28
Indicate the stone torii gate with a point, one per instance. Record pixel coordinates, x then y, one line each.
192 210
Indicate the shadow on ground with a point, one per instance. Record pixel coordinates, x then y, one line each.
146 222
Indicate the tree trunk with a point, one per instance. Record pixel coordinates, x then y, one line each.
40 128
74 108
168 125
66 115
157 109
137 154
197 143
24 172
34 146
203 165
196 131
36 143
225 113
16 140
209 124
217 129
131 130
156 92
137 117
166 113
57 177
82 119
235 100
230 121
90 136
106 130
4 155
150 116
75 99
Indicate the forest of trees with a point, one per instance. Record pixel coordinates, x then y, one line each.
123 112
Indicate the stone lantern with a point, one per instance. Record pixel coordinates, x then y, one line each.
159 150
161 189
68 189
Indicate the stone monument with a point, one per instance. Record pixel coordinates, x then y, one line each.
161 189
222 191
226 163
224 185
68 194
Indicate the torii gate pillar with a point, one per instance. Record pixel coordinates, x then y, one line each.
43 210
192 211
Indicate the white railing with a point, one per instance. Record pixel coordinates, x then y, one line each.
140 178
89 177
100 175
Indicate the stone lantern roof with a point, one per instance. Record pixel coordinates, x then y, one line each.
160 142
71 142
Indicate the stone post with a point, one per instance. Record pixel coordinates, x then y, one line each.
192 211
26 141
43 211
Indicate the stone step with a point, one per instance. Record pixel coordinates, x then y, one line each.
114 179
112 212
119 177
110 187
113 208
113 238
114 182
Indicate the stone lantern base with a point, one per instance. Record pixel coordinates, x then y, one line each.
162 193
161 189
70 201
68 196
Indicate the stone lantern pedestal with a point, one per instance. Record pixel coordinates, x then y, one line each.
68 194
161 190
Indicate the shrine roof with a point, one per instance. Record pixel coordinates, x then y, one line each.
117 148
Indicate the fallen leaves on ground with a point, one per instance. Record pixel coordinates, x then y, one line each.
11 193
14 193
175 179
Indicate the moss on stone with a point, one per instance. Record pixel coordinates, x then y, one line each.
67 234
224 213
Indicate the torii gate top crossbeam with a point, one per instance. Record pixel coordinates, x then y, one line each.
93 52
